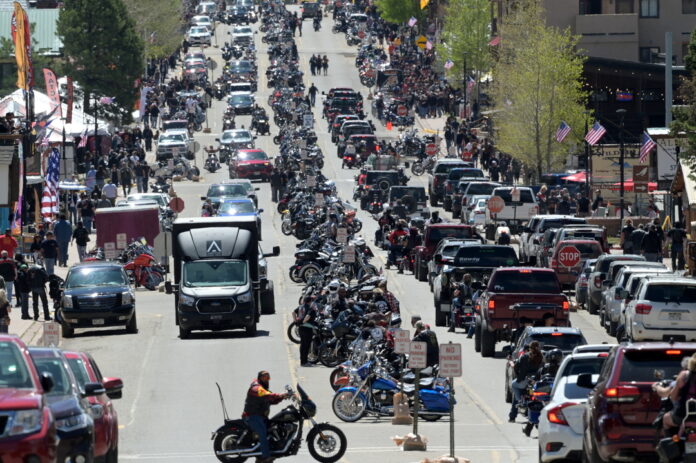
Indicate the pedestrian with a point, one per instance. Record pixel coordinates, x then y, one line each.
312 93
8 243
146 175
139 179
81 238
126 179
677 235
325 64
86 208
110 191
23 290
298 21
8 271
425 334
583 205
626 232
147 136
306 317
276 184
598 202
5 309
35 248
49 252
313 64
652 245
37 279
63 233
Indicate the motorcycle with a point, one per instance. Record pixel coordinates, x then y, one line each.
317 24
211 163
419 167
144 271
234 441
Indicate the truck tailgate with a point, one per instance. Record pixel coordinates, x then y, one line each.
532 306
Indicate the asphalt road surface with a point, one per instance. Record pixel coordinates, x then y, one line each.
170 404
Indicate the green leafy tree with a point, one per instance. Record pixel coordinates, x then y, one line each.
159 25
103 51
8 78
465 37
537 84
399 11
685 115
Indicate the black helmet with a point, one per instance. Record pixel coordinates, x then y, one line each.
554 356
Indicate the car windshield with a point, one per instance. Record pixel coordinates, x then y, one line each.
241 99
641 365
54 366
240 66
199 30
13 370
579 366
252 156
525 281
214 273
226 190
416 193
171 137
141 197
236 135
236 207
486 256
79 370
668 292
563 341
241 30
439 233
82 277
480 188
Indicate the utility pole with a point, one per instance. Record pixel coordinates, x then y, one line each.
668 79
464 87
622 114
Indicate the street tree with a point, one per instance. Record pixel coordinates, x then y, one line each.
685 115
103 51
465 37
537 83
399 11
158 24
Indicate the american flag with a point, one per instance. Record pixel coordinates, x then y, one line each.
470 82
449 64
49 198
646 147
562 132
83 140
595 134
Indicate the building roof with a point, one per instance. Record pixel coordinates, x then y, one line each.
44 34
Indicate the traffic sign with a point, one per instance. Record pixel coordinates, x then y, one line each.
495 204
307 120
431 149
361 34
342 235
421 41
319 199
402 341
176 204
640 174
569 256
418 354
51 334
402 110
450 360
349 255
640 187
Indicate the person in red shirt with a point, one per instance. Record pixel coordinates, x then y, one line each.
8 243
397 238
257 407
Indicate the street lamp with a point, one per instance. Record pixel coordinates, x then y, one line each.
622 114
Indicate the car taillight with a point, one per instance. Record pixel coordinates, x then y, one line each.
622 394
448 188
566 305
643 309
673 352
436 181
491 305
556 416
597 282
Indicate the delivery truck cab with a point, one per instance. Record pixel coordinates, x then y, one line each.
218 284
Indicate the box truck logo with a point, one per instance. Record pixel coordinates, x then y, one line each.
214 248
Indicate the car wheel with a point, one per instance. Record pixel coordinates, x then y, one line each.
440 317
268 300
132 326
67 331
477 338
184 333
251 330
112 455
590 456
487 343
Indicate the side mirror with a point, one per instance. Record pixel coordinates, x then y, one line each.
47 382
585 381
507 350
260 211
114 387
217 140
93 389
168 287
276 250
203 198
257 189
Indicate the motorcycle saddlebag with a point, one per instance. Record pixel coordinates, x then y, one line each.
669 451
435 401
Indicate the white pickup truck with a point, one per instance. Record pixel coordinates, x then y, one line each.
520 206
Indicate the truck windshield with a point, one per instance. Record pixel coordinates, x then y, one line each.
95 276
486 256
209 273
525 281
416 193
13 370
437 234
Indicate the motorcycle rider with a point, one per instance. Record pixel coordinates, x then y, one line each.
435 218
553 359
212 160
397 238
425 334
527 365
462 293
257 406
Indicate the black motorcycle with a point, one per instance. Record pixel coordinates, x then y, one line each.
234 441
211 163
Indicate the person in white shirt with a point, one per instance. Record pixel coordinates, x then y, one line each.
110 191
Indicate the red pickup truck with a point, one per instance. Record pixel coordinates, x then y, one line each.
513 293
432 235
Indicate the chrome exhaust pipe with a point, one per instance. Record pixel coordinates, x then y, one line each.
238 451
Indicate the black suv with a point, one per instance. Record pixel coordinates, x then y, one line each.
378 182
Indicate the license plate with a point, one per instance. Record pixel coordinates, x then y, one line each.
690 447
98 321
675 316
216 317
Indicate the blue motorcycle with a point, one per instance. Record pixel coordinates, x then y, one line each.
372 393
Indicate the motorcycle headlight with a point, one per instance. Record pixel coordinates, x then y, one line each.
67 302
26 422
126 298
96 411
72 423
186 300
245 297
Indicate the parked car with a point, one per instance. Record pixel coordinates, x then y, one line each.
599 274
24 401
96 295
252 163
69 404
86 371
582 282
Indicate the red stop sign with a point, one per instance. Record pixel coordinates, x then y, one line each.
569 256
402 110
431 149
176 204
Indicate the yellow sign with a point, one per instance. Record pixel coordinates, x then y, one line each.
397 41
421 41
424 3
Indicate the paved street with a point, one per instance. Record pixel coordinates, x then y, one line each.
170 404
